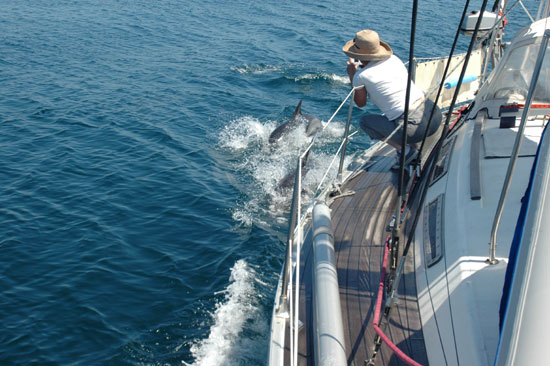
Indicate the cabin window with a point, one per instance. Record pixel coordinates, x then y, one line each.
514 77
433 229
443 160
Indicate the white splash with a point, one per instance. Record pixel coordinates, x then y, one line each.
340 79
261 167
256 69
238 309
333 78
245 132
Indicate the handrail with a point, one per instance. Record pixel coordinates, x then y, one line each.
283 301
346 136
493 46
515 150
294 321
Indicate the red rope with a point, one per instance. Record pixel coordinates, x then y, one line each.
409 361
523 106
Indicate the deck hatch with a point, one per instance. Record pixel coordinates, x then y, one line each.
433 227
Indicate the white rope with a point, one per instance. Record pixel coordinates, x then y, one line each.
324 127
341 105
332 162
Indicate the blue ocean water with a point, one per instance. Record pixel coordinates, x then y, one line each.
140 220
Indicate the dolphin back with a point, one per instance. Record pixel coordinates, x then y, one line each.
287 126
288 180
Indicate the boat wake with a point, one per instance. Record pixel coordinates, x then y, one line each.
239 311
256 69
288 73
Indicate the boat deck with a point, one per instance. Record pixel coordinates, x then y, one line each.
359 224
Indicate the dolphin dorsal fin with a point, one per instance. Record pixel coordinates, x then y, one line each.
298 110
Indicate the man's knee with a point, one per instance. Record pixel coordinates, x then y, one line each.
376 126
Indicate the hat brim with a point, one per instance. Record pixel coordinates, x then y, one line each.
383 53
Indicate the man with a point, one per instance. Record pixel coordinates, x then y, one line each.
384 79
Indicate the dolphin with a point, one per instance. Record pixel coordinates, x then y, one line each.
288 180
313 125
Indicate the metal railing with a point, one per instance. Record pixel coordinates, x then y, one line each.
345 142
295 218
288 302
515 150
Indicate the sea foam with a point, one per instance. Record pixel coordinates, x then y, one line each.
331 78
238 310
260 166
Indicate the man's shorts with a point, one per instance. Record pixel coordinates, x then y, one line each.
379 126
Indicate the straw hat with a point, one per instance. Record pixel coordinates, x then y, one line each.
367 46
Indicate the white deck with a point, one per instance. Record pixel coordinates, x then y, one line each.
460 295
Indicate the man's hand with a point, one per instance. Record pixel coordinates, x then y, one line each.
352 69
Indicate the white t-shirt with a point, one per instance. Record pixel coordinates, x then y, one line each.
386 84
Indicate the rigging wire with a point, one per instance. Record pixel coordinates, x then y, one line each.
407 99
394 282
440 89
526 11
443 133
396 232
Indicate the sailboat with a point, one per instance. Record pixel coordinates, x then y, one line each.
444 262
